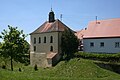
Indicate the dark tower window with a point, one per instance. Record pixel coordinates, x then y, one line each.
34 48
44 39
34 40
51 16
51 39
39 39
51 48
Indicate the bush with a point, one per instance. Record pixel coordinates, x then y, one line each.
35 67
3 67
99 56
20 70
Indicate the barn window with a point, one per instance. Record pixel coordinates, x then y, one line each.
34 40
44 39
117 45
102 44
51 39
39 39
91 44
34 48
51 48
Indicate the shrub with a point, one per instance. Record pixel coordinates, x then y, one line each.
99 56
3 67
20 70
35 67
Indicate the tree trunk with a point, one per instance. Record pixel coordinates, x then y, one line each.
11 64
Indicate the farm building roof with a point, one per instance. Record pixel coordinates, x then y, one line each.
103 28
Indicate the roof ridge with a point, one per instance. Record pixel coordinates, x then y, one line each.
57 25
110 19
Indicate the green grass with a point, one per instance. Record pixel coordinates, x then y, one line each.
75 69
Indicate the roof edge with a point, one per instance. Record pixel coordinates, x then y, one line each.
101 37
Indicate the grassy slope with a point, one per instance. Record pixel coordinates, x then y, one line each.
75 69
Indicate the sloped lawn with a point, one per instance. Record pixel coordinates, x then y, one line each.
75 69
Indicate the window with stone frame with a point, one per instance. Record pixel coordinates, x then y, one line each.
44 39
51 48
39 39
34 40
34 48
51 39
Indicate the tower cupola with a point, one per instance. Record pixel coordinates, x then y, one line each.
51 16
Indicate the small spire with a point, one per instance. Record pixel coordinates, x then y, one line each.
51 7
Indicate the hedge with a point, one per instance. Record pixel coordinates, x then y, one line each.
99 56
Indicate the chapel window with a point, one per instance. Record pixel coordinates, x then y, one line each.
34 40
44 39
51 48
34 48
39 39
51 39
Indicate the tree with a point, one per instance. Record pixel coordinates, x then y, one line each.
69 43
14 45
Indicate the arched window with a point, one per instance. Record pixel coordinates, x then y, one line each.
34 40
51 48
44 39
39 39
51 39
34 48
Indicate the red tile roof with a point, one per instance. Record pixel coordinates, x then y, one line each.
57 25
103 28
80 33
51 55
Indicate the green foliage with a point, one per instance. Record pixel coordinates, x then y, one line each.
69 43
99 56
20 70
35 67
3 67
14 45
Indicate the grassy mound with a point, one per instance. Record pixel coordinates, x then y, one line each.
75 69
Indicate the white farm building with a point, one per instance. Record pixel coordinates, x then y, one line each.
102 36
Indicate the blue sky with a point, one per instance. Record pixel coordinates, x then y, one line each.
28 15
